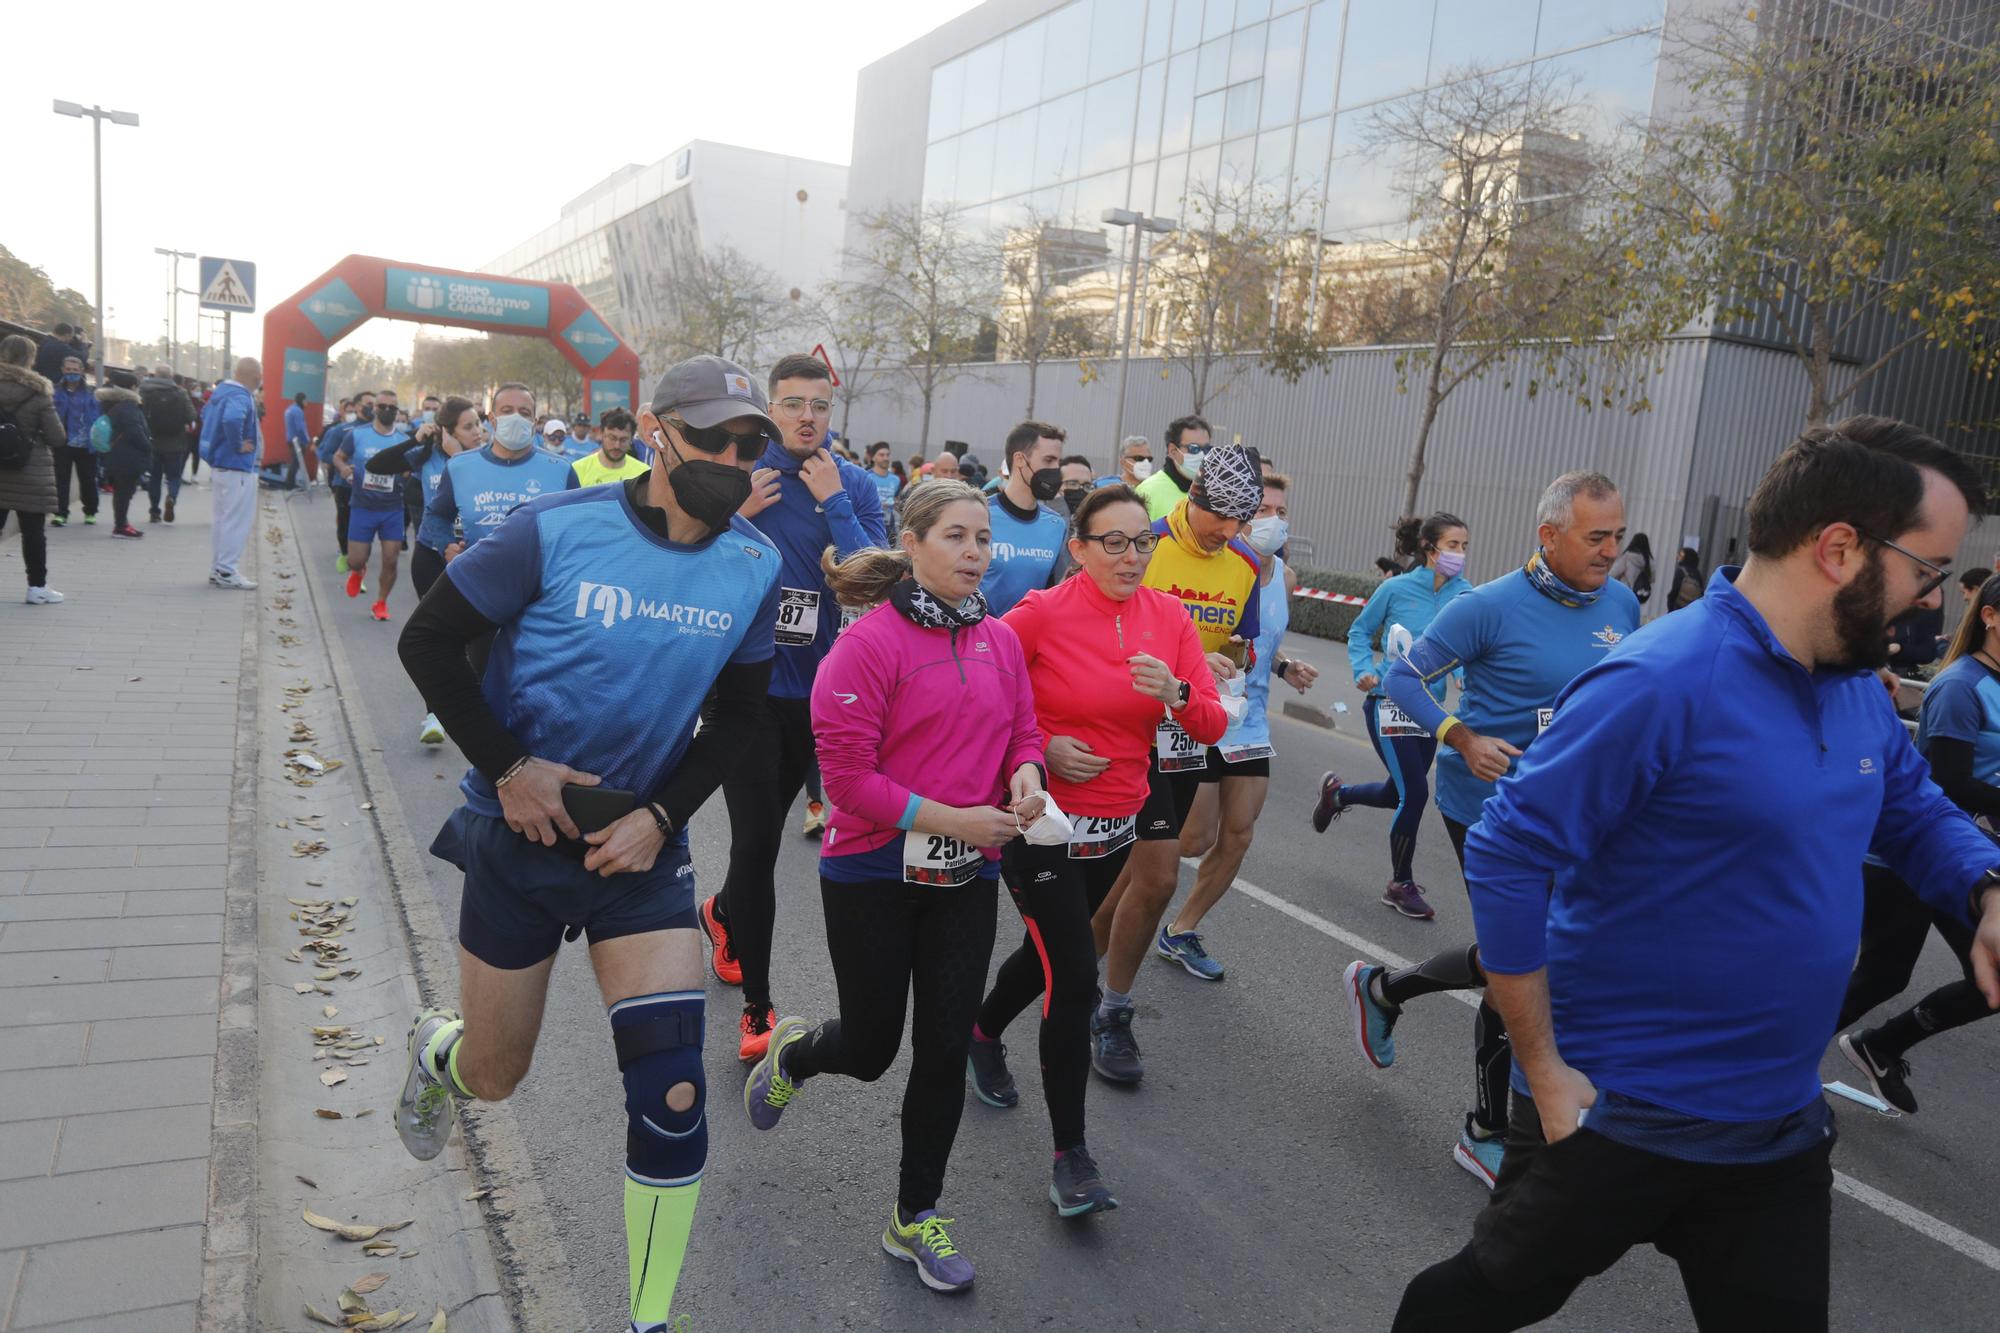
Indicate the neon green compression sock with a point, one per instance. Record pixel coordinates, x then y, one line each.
658 1220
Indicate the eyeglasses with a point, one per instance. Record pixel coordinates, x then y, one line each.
1938 572
714 439
796 407
1114 543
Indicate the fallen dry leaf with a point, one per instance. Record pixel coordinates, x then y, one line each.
372 1282
319 1318
359 1114
375 1322
351 1304
325 1114
350 1231
330 1011
437 1321
333 1076
381 1249
485 1193
304 987
307 1181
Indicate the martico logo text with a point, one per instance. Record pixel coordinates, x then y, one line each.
609 604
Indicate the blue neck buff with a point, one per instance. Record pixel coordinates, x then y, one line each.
1548 585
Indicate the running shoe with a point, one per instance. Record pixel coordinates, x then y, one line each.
340 564
925 1244
756 1027
153 516
767 1092
986 1063
1114 1051
126 530
169 510
1328 807
353 581
1374 1022
59 521
728 970
1407 897
815 825
1479 1156
432 731
43 596
380 610
90 520
1076 1188
218 579
425 1108
1185 949
1889 1077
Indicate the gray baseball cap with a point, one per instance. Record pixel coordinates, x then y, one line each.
706 391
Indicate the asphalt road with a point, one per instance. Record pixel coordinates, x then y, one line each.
1269 1178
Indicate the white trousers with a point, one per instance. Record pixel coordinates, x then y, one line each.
235 511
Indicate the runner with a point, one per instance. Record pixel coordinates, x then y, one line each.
378 501
1399 611
1701 805
1187 444
1028 535
1201 562
1223 819
697 605
1519 641
1112 661
1135 463
804 499
887 483
612 460
358 412
927 785
1077 482
453 429
1958 733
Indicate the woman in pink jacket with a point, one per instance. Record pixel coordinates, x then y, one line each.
925 726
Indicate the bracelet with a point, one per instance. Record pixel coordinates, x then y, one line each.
1283 665
513 771
660 819
1444 727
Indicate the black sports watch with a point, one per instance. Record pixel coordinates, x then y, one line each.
1187 692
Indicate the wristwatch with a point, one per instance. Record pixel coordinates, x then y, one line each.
1187 692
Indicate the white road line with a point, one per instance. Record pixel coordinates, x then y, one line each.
1917 1220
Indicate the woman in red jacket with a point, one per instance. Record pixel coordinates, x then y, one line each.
927 742
1111 662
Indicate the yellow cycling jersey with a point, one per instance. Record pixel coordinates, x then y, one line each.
1219 590
594 471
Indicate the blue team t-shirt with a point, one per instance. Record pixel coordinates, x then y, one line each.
1024 554
1963 704
888 483
480 489
577 583
373 490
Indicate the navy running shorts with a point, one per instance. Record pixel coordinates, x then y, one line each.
366 525
520 897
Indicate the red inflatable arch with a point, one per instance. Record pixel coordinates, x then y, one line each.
299 331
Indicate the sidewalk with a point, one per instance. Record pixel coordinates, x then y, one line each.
118 749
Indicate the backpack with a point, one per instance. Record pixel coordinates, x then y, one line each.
100 434
14 446
1642 587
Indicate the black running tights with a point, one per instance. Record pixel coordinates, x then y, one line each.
759 793
1057 960
887 939
1894 922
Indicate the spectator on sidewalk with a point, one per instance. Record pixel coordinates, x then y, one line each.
229 442
56 345
297 439
76 406
29 491
170 420
131 447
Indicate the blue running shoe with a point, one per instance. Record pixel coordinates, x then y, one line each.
1374 1022
767 1092
925 1244
1479 1156
986 1062
1076 1187
1185 949
1114 1051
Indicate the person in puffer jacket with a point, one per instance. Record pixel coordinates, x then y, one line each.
131 448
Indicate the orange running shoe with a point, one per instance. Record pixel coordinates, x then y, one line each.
756 1028
380 610
353 583
727 969
815 825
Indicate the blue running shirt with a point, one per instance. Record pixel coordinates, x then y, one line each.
373 490
1024 554
585 594
480 489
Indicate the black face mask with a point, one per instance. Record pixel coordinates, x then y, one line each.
1073 495
385 413
1045 483
708 492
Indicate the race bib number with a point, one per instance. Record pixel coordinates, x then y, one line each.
1178 751
848 615
1543 716
932 858
1096 837
1393 721
1243 754
378 482
798 616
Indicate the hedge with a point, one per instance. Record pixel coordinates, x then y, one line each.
1329 620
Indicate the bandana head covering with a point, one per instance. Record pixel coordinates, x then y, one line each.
1231 483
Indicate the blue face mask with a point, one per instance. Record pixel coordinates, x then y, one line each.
73 379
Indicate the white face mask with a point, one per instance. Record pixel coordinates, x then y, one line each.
347 416
1268 535
513 431
1191 463
1053 829
1143 468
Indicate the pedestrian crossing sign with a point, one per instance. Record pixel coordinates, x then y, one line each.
228 284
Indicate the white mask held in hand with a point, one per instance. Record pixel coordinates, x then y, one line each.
1052 829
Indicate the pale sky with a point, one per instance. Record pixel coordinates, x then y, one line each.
454 130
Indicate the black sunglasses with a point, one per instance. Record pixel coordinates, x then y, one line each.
714 439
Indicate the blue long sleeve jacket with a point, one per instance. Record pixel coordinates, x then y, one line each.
1682 850
229 421
801 528
79 412
1411 600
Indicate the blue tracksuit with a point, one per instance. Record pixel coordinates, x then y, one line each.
802 528
1702 804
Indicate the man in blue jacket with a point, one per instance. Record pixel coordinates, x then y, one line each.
1668 895
804 499
76 404
229 441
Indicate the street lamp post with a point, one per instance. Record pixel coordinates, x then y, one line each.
98 115
174 294
1137 222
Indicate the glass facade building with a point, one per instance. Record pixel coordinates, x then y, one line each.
1133 104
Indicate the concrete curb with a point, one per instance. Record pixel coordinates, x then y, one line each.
532 1265
229 1252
